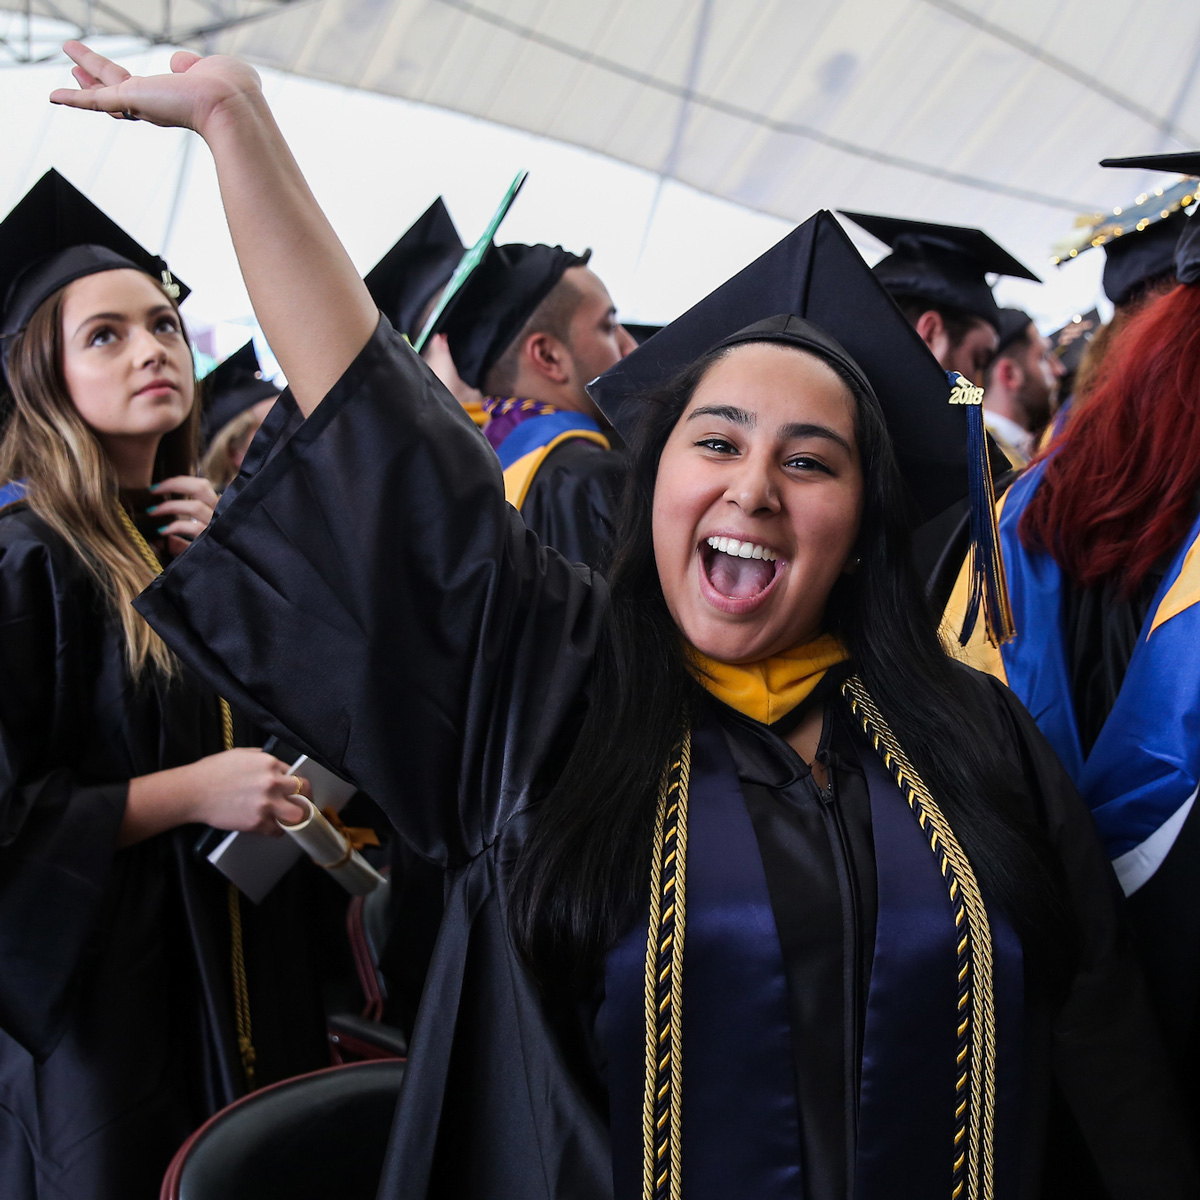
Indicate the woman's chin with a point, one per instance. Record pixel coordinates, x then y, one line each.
730 646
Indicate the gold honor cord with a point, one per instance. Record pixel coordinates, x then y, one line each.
241 992
975 1105
663 1097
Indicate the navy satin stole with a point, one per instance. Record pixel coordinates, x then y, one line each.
740 1126
741 1136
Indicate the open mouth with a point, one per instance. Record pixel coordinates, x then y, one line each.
738 574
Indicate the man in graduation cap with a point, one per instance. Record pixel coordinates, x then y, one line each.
1020 386
1139 241
407 283
938 276
530 329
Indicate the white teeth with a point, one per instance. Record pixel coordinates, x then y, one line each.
728 545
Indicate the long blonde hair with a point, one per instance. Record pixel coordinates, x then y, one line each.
71 483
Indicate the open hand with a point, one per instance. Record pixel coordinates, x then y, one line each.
187 514
189 98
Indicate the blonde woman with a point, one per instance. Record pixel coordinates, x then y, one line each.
121 1027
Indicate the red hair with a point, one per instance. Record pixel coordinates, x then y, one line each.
1119 486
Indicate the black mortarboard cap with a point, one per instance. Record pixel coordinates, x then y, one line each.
1070 352
944 265
640 333
1186 255
410 275
817 274
1013 323
484 318
814 290
55 235
230 388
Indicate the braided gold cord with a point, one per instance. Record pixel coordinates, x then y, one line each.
685 771
241 992
977 1033
649 1101
662 1177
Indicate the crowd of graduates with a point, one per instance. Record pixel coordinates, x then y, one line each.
847 626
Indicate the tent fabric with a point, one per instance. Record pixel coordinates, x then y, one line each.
975 112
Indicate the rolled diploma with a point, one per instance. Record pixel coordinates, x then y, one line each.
327 848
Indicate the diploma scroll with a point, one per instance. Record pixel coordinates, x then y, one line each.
332 849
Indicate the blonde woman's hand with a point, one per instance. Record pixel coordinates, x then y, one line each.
196 91
244 789
187 514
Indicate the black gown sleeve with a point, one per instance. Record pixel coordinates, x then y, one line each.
572 502
370 597
1107 1059
58 828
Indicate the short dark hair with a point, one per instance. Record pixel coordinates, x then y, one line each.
957 321
553 316
1013 351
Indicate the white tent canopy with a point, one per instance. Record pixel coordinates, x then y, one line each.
979 113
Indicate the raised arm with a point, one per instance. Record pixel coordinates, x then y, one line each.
314 309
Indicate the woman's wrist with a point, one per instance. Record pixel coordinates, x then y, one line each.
241 117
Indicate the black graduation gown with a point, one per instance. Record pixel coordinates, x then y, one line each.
446 660
116 1014
572 501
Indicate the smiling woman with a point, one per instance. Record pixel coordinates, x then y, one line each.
764 457
676 959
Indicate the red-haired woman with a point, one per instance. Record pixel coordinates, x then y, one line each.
1101 542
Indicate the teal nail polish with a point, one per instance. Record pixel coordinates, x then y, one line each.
162 529
153 487
152 509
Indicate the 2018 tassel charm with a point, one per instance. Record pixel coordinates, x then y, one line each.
989 588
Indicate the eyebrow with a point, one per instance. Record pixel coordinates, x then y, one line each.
727 412
747 420
157 310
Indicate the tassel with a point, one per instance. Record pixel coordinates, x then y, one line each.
989 588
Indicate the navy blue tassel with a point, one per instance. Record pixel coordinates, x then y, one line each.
989 589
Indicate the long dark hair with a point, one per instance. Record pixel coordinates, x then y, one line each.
586 866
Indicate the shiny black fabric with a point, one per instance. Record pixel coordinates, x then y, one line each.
116 1017
369 591
572 502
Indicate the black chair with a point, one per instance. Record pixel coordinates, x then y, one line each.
315 1137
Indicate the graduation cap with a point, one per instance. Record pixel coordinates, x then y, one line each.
231 388
492 292
1070 350
813 290
415 269
1013 323
1186 256
940 264
640 333
55 235
501 295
